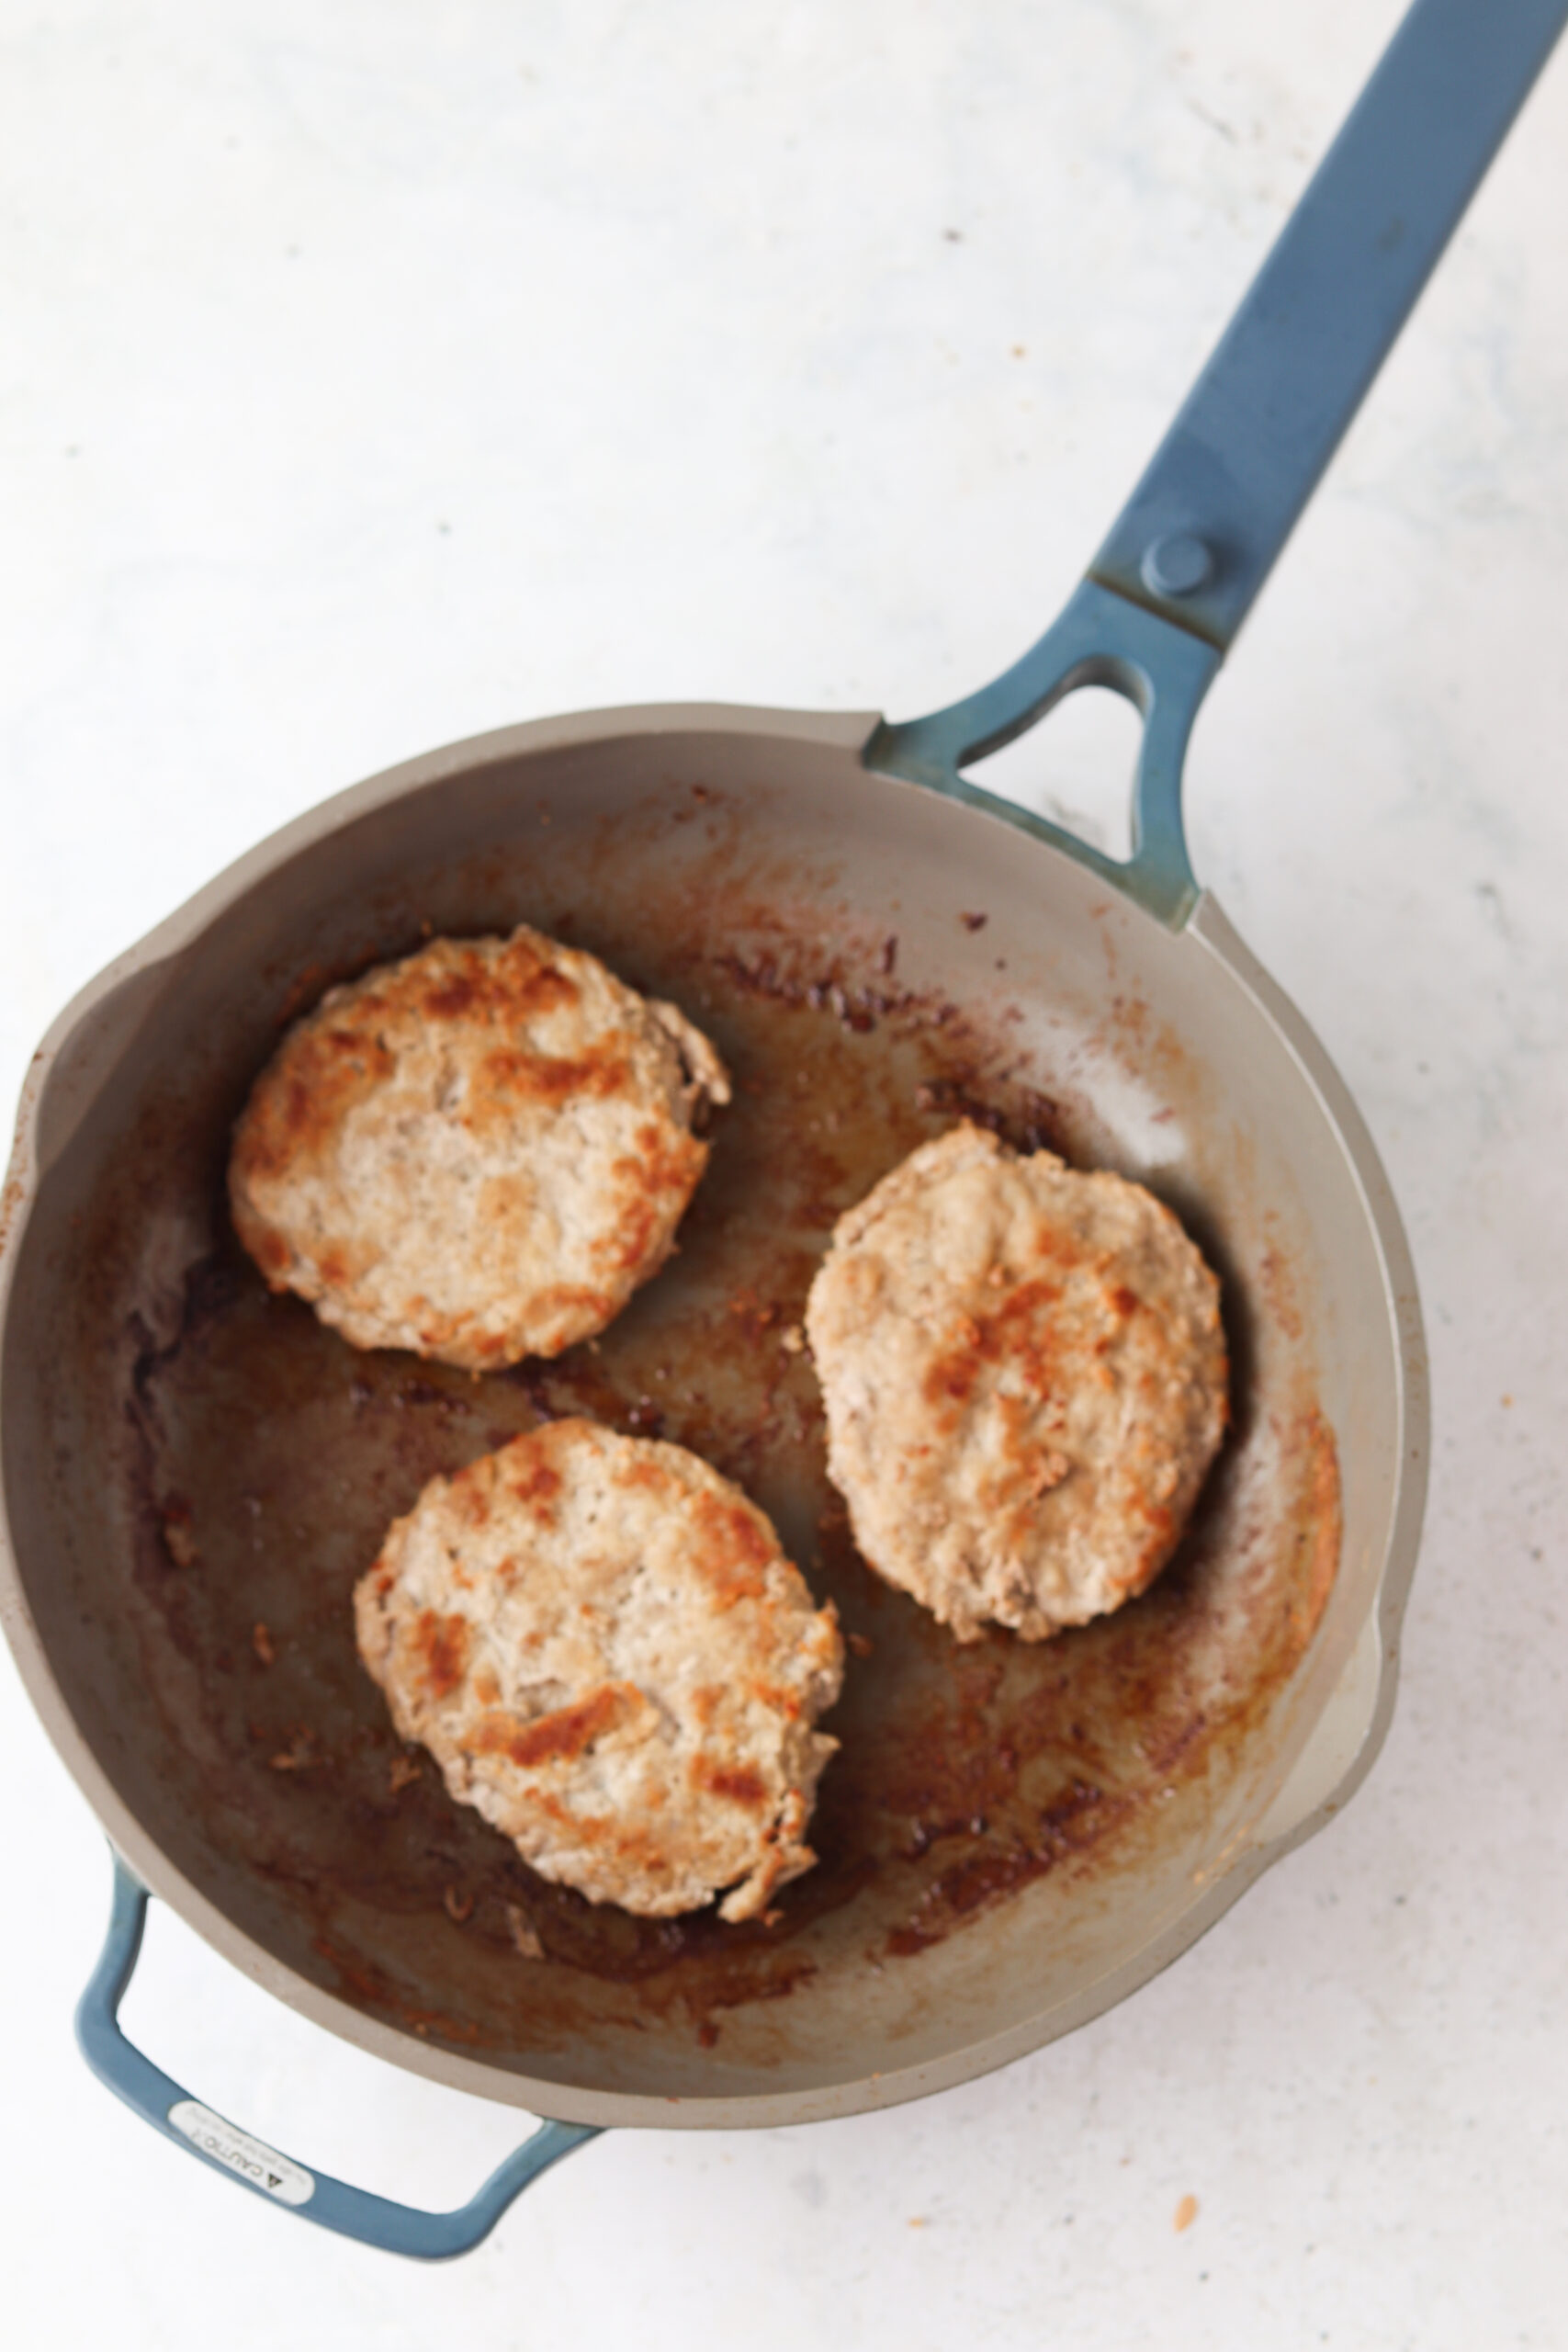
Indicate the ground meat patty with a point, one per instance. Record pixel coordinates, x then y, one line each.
1024 1374
478 1153
600 1642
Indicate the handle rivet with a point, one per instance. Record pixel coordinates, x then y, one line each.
1175 565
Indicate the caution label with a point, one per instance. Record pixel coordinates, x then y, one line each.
252 2159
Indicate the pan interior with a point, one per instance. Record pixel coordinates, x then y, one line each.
196 1472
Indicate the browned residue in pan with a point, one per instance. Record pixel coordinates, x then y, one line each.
269 1458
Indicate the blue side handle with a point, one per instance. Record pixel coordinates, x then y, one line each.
1185 559
265 2170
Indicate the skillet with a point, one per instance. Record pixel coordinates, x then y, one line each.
1013 1837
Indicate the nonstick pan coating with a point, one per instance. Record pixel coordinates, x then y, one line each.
196 1473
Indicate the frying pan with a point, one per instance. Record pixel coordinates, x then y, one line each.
1013 1837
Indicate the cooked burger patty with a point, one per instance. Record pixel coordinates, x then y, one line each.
1024 1374
478 1153
602 1645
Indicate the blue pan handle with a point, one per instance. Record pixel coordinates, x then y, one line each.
353 2212
1184 560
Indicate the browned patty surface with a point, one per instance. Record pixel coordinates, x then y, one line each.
602 1645
1025 1380
478 1153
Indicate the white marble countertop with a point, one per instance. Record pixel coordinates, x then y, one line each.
381 374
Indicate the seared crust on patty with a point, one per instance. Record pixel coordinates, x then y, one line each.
478 1153
602 1645
1025 1381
